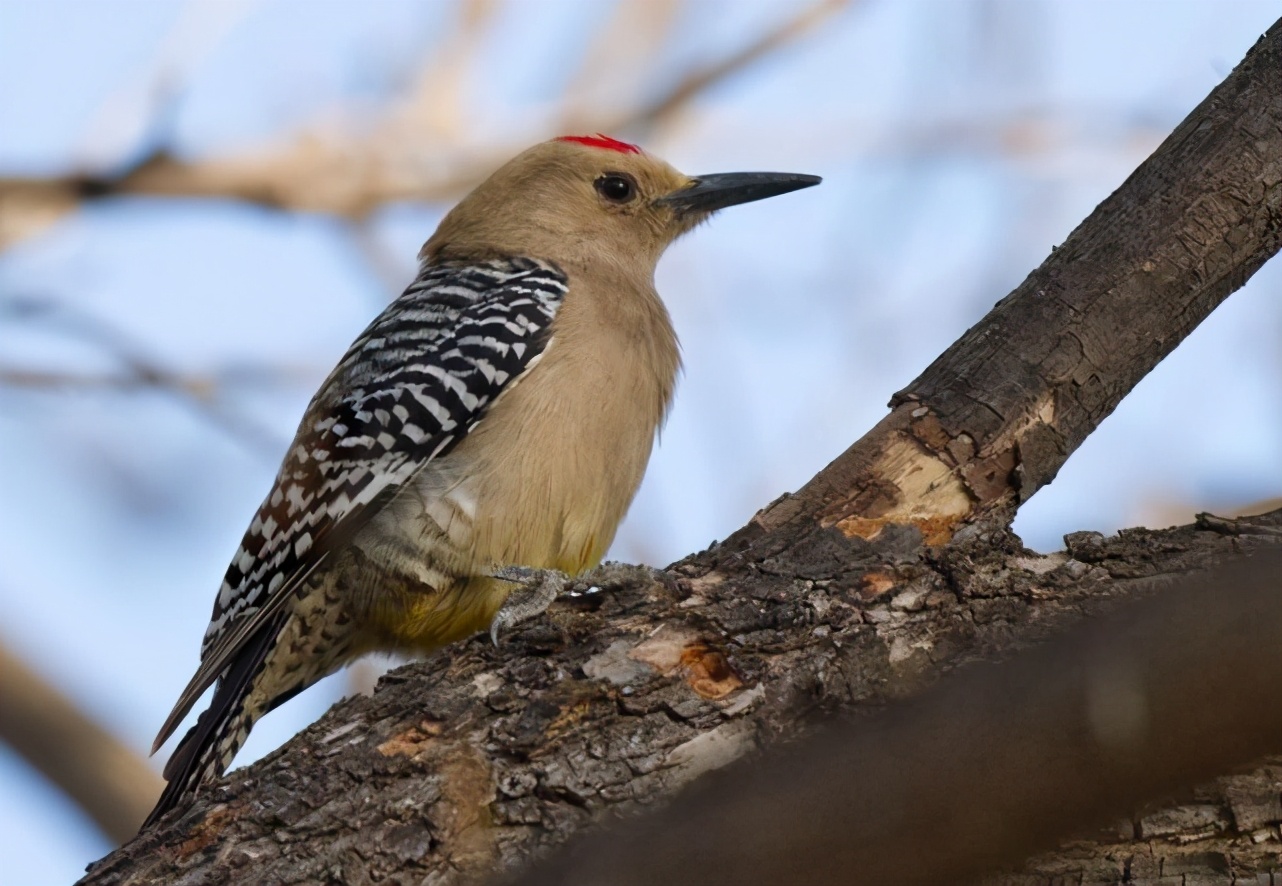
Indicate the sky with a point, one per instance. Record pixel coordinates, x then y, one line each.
959 141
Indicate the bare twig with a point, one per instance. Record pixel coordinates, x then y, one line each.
436 108
701 80
139 115
197 386
618 60
200 392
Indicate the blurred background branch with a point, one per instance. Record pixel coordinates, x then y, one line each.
112 783
689 86
211 394
351 173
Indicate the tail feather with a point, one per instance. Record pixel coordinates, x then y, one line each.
207 749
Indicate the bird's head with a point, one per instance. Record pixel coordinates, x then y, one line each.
581 199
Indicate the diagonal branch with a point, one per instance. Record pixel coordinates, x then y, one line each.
993 419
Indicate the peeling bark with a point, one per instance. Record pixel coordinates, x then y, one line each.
994 418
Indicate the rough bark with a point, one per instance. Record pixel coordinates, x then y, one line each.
485 757
989 767
892 567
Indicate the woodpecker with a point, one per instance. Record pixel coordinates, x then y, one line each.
489 428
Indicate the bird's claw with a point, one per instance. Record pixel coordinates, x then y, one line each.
536 590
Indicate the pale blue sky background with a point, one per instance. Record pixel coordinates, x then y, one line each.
959 141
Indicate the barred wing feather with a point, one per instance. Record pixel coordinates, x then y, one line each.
408 390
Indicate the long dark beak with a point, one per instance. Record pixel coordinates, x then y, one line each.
709 193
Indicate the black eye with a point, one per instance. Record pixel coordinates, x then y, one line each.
616 187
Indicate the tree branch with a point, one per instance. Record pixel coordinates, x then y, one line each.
700 80
479 759
993 419
203 393
990 766
350 177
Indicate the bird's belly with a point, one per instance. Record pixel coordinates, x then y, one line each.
542 481
557 503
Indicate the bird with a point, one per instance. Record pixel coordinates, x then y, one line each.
480 441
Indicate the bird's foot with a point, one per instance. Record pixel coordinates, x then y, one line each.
535 591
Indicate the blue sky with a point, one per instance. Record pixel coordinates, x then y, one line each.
959 141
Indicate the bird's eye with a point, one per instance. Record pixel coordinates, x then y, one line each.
616 187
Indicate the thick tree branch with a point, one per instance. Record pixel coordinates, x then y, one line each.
993 419
483 757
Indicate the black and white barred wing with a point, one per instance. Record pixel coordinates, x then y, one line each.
410 387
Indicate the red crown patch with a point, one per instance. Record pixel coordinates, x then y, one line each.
604 142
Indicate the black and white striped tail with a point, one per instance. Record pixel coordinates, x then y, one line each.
207 749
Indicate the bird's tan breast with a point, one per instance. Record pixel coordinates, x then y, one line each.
559 458
543 480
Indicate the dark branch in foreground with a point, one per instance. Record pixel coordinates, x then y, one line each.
988 767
